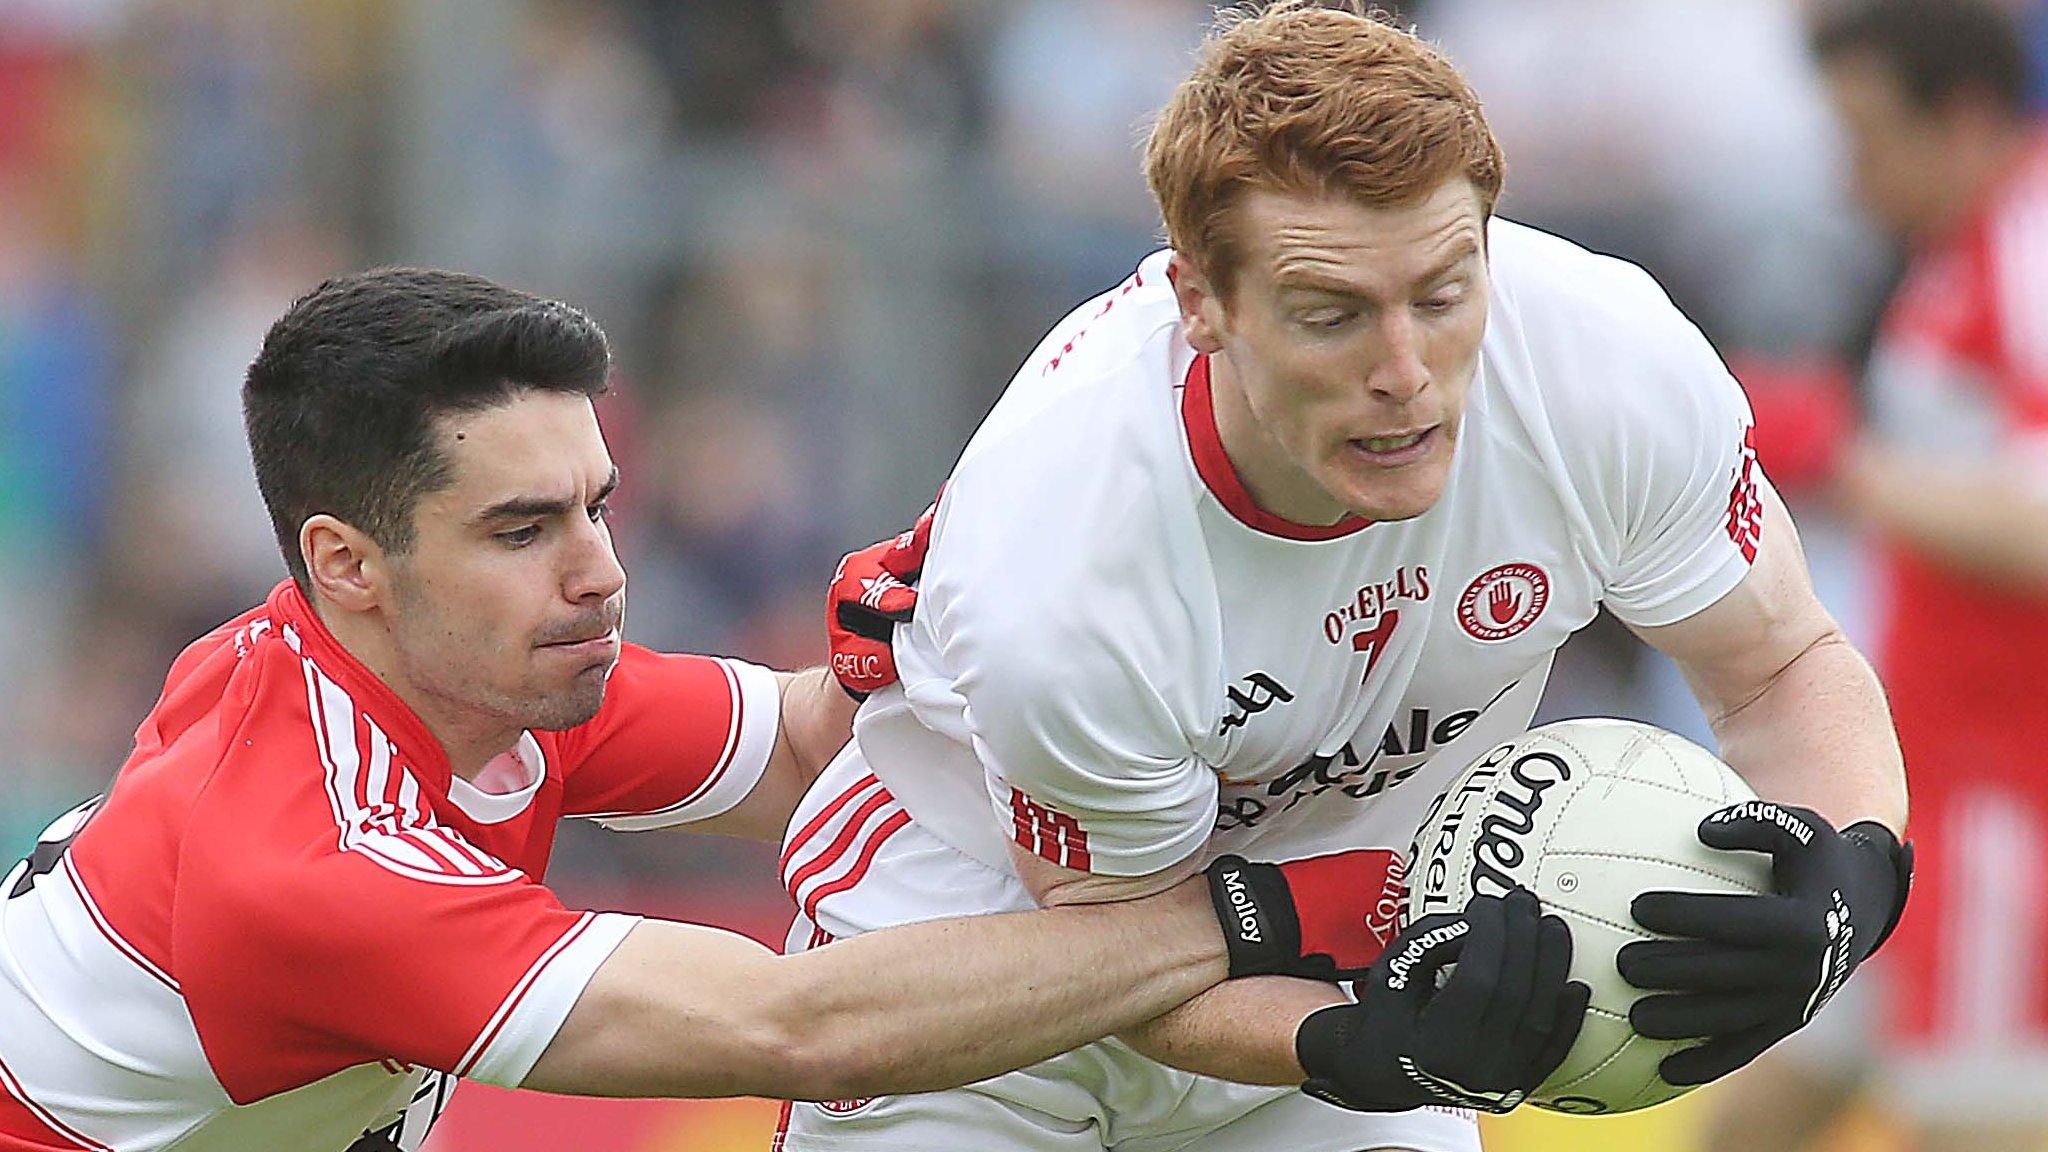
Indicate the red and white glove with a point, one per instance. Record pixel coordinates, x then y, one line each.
872 592
1324 918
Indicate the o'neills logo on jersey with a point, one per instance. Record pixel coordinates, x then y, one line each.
1374 602
1503 602
844 1107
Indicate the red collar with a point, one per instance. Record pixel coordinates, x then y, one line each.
416 744
1198 413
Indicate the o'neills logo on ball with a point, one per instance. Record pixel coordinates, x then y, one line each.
1499 850
1503 602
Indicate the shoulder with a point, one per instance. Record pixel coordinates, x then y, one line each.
1573 306
1101 374
1595 345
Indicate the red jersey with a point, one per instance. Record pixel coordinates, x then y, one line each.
288 924
1961 366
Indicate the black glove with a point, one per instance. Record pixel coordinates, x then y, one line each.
1324 918
1498 1027
1751 970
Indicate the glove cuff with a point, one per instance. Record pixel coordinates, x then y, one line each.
1898 869
1321 1039
1256 910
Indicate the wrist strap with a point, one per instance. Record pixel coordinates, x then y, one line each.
1256 911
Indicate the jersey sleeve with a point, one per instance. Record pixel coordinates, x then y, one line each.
1077 692
298 968
1660 440
679 738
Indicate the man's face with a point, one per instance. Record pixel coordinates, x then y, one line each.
1898 151
1353 334
507 607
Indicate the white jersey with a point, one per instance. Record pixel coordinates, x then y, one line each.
1121 663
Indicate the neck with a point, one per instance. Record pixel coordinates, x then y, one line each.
469 740
1276 483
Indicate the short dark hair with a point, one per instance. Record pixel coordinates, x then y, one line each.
1937 49
340 403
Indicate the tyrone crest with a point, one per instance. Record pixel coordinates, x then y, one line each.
1503 602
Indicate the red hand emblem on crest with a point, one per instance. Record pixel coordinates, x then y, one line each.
1502 603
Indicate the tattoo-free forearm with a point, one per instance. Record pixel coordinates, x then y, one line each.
682 1010
1820 736
1242 1030
817 719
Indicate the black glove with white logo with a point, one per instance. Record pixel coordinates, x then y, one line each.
1749 971
1498 1026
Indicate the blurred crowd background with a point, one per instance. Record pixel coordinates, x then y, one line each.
821 233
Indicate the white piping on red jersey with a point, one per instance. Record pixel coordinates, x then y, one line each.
377 807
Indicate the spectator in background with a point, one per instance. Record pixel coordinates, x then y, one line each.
1950 474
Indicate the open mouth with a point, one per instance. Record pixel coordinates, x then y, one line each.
1396 449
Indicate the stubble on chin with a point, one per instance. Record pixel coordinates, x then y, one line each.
574 706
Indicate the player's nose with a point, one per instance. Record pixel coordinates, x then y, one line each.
1399 374
595 571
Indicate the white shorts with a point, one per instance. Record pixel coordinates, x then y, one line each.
855 862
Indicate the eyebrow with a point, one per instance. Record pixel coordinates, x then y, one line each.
1329 285
537 507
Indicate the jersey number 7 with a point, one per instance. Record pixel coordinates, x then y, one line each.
1373 641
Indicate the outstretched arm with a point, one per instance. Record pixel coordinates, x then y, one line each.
684 1010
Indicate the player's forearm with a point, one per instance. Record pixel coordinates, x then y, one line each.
949 1002
1820 736
683 1010
817 719
1242 1030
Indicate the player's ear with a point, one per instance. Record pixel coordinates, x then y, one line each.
342 563
1201 310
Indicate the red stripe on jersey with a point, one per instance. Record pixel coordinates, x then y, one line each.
1198 414
777 1142
519 991
821 819
99 921
1048 832
888 828
840 843
27 1127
